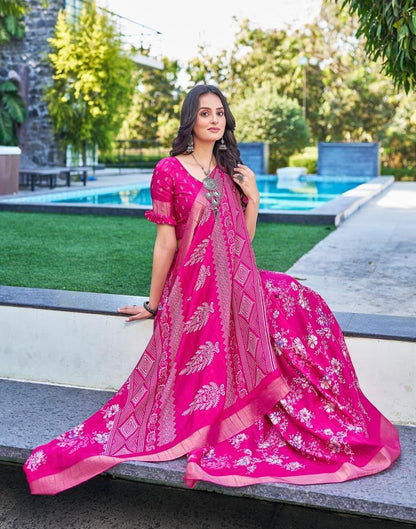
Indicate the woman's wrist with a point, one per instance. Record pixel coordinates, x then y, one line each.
150 309
255 200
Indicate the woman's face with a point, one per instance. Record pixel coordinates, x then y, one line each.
210 121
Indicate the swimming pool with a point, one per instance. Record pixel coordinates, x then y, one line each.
276 194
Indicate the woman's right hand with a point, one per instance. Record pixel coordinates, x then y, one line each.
136 312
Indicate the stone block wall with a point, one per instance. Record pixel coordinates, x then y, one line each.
28 58
256 156
348 159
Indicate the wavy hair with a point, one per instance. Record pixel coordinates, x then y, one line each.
227 159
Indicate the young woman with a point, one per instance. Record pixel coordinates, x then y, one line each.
247 372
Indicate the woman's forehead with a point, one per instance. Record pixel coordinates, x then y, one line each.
210 100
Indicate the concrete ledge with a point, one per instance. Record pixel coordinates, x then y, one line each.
32 414
352 324
65 300
401 328
78 339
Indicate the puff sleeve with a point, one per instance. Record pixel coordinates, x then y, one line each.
161 190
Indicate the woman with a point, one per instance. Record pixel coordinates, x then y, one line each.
247 371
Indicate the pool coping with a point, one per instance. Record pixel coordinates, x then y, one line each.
331 213
401 328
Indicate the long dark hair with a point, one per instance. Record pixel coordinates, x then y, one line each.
228 159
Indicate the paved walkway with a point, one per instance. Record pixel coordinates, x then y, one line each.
368 264
104 503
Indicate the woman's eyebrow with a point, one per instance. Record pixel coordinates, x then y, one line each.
209 108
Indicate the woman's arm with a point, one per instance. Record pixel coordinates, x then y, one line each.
251 214
163 254
246 179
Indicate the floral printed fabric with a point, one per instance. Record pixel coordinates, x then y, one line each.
324 430
247 371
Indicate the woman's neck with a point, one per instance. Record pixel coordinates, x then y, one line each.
204 153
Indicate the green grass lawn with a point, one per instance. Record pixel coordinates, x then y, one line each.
113 254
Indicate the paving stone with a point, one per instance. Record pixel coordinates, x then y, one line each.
367 264
104 503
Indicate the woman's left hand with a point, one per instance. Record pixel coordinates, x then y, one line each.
135 312
246 179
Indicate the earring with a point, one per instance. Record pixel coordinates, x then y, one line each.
190 147
222 146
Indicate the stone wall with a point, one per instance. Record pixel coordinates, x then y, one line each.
28 58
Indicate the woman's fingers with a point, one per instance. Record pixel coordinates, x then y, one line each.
129 309
243 174
136 313
140 316
246 179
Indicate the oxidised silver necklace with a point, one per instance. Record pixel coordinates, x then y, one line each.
212 194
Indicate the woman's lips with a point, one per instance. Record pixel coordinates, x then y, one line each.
213 129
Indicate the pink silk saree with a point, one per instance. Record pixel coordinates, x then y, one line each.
247 372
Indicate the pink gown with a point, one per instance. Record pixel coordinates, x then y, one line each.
247 372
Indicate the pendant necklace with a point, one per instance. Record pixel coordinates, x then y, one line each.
212 194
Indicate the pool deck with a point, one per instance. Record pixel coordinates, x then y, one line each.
367 265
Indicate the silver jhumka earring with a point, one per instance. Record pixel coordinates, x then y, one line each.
190 147
222 146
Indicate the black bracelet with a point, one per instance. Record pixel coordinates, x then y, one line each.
146 305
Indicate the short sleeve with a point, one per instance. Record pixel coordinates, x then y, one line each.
161 190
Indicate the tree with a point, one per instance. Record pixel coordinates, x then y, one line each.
14 8
207 69
266 116
155 109
358 107
389 28
12 106
344 94
92 81
11 23
11 27
12 112
399 138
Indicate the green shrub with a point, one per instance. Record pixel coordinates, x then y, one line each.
308 158
12 112
402 173
129 160
264 115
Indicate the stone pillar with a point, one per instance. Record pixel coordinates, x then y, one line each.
27 58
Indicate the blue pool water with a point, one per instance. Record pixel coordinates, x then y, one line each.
276 194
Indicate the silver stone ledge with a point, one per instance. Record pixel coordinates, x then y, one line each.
353 324
32 414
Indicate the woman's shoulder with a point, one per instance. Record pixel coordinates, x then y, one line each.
165 172
166 164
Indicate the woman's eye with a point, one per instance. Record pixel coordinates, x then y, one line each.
204 113
220 113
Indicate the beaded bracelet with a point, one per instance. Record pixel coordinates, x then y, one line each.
146 305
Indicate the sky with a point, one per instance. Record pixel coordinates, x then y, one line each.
185 24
